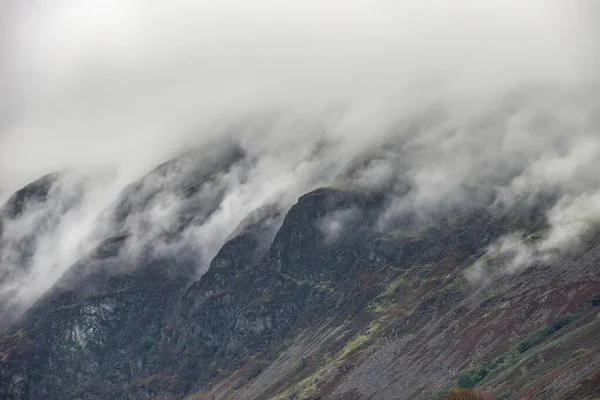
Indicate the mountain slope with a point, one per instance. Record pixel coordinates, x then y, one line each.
319 302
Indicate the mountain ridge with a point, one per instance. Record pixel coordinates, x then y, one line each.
329 306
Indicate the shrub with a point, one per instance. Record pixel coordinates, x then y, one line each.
471 377
543 333
595 300
563 321
524 345
466 394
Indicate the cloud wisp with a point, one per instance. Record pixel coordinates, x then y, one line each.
454 98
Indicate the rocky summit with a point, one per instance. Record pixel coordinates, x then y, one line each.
318 300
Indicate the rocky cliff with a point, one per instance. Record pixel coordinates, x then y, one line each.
314 301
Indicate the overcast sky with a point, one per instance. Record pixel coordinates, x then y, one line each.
501 95
130 82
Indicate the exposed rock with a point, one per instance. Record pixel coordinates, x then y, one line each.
319 302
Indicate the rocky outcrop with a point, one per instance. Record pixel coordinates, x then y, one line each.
321 301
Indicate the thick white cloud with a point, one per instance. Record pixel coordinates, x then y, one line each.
129 82
471 92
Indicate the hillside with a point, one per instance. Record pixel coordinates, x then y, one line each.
300 200
317 301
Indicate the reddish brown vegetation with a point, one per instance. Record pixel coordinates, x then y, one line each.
466 394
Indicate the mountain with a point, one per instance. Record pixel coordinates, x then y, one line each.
313 300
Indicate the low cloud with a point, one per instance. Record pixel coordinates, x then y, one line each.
446 106
335 224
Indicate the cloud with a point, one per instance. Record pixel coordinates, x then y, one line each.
335 224
130 82
448 105
49 235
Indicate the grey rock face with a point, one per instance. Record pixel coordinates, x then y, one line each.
327 270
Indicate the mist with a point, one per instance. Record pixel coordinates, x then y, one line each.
463 93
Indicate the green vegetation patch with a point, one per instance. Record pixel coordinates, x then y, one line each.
306 388
379 306
321 285
393 287
579 352
472 376
67 307
358 340
543 333
5 336
595 300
